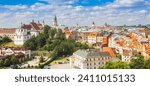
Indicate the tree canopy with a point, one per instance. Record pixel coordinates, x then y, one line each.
52 39
4 40
137 62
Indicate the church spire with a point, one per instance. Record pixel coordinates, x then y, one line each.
55 21
93 24
106 24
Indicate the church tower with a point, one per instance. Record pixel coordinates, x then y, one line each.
93 24
55 22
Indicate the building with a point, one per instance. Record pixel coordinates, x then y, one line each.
34 28
146 51
92 37
21 36
21 53
127 54
55 24
8 32
25 32
90 59
70 34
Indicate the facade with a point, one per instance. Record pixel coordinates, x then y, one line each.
6 51
127 55
92 37
70 34
8 32
55 24
146 51
21 36
25 32
90 59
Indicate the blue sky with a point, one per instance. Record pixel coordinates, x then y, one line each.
31 2
70 12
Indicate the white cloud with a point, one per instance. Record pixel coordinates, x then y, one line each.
68 14
14 7
127 3
143 11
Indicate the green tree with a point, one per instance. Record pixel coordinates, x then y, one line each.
40 40
41 59
119 56
116 65
7 62
137 62
147 64
46 30
14 60
6 39
1 63
31 43
52 33
60 35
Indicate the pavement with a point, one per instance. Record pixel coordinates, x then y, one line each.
61 66
33 62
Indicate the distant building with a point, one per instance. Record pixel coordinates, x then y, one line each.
90 59
93 24
21 53
25 32
8 32
70 34
55 24
21 36
127 54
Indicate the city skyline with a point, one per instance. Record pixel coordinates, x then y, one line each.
70 12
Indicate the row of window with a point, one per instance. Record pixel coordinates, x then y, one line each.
99 63
19 37
93 67
103 58
127 60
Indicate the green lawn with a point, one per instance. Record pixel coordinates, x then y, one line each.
64 59
11 44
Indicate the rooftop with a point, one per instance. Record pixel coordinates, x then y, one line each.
92 53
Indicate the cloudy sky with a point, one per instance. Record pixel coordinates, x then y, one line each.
70 12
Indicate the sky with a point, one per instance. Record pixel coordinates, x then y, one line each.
71 12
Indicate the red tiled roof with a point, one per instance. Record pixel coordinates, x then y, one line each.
126 52
32 25
7 30
28 27
35 26
20 55
111 51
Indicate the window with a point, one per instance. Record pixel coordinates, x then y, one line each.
86 59
102 62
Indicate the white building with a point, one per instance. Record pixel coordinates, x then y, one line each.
15 51
21 36
25 32
90 59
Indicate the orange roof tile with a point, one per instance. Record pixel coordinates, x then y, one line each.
7 31
110 51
